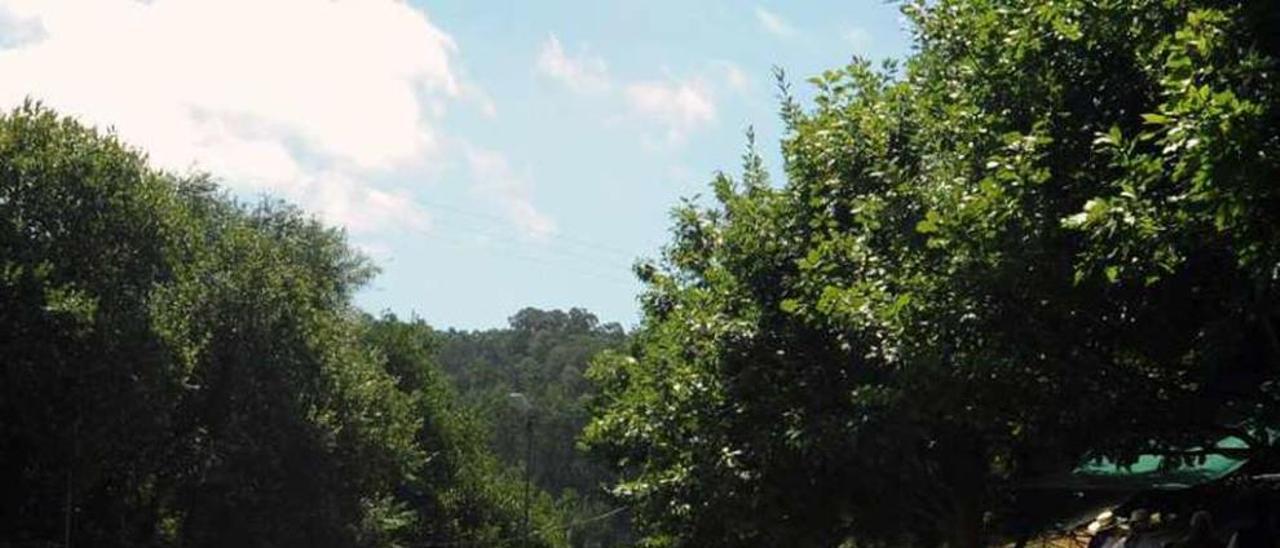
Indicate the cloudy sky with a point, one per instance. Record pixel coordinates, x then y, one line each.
487 155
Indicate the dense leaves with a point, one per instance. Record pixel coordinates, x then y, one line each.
178 369
462 492
543 355
1049 237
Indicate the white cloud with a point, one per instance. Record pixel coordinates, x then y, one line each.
735 77
583 73
480 99
17 29
362 208
680 106
306 99
773 23
493 176
381 252
857 37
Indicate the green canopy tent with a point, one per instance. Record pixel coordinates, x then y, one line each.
1071 499
1149 472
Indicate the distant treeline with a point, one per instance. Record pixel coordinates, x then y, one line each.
543 354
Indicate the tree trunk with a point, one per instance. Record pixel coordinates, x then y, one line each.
964 471
966 527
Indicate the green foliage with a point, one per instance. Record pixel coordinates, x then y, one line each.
1050 237
462 491
543 355
179 369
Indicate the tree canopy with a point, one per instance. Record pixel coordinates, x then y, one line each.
181 369
543 355
1048 236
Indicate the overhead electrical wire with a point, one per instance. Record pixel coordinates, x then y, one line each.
520 253
591 259
564 238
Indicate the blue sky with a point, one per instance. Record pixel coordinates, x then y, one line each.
489 156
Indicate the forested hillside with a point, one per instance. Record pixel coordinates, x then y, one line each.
180 369
543 355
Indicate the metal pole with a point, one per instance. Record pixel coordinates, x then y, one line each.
66 514
528 466
69 505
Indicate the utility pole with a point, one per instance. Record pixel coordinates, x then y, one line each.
528 467
521 402
69 504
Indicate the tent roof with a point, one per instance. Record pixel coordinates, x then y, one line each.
1147 473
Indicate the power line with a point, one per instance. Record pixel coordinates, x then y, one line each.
556 252
588 268
564 238
590 255
501 237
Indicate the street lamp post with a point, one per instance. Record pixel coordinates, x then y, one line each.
528 468
522 403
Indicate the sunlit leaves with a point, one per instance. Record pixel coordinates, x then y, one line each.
1058 219
182 369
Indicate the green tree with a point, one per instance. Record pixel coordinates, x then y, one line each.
88 392
295 432
180 369
1048 237
461 491
543 355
